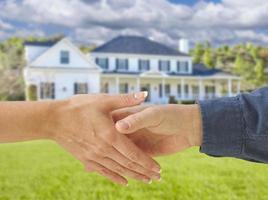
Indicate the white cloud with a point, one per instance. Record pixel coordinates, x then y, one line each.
5 26
98 20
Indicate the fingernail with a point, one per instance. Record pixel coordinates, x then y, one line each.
123 125
157 169
146 180
156 177
141 95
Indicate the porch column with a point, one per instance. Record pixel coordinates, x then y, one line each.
138 86
238 87
163 89
230 87
201 89
117 85
182 89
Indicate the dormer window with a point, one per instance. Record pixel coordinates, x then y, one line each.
64 57
121 64
144 65
103 63
182 66
164 65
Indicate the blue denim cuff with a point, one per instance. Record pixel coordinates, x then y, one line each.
222 127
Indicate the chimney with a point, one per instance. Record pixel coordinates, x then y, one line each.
184 45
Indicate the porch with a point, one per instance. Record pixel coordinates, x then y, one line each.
160 89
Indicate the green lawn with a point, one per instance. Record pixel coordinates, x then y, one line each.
42 170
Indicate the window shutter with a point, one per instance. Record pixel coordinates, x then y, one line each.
148 64
107 63
116 64
97 61
139 65
127 63
168 65
159 65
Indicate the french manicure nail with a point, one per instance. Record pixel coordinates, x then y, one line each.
141 95
123 125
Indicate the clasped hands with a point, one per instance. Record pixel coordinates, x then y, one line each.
117 137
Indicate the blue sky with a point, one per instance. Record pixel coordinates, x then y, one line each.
96 21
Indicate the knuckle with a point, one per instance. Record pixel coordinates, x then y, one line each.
133 155
130 165
126 99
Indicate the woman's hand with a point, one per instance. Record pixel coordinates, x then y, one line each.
163 129
84 127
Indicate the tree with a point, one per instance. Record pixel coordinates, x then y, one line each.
208 58
198 53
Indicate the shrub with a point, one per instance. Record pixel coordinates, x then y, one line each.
31 93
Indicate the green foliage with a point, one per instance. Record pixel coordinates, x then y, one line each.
247 60
208 58
198 53
42 170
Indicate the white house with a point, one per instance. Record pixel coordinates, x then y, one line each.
124 64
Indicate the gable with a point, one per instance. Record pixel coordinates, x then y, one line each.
52 57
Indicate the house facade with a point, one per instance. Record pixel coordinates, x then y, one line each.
123 65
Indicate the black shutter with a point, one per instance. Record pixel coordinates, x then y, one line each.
148 65
116 64
127 63
168 65
139 65
159 65
107 63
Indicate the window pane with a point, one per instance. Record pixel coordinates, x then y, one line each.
80 88
164 65
47 90
122 64
144 65
167 89
123 88
64 57
103 62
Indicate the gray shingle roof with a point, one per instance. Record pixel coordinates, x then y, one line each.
40 43
137 45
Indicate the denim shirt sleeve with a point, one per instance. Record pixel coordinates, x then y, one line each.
236 126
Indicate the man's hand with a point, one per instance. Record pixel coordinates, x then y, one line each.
83 125
161 130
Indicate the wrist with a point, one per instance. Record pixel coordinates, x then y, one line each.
51 123
196 133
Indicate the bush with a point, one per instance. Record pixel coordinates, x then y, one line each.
32 93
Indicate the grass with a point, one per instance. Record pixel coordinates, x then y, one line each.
42 171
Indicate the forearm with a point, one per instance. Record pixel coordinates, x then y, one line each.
21 121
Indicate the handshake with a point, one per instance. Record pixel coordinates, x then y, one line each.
112 135
116 137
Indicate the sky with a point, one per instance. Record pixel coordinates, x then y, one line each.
96 21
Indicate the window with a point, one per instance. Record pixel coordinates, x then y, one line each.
47 90
186 90
105 88
80 88
182 66
123 88
167 89
160 90
64 57
102 62
144 65
164 65
179 90
121 64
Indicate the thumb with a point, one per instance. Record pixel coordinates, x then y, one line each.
144 119
125 100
